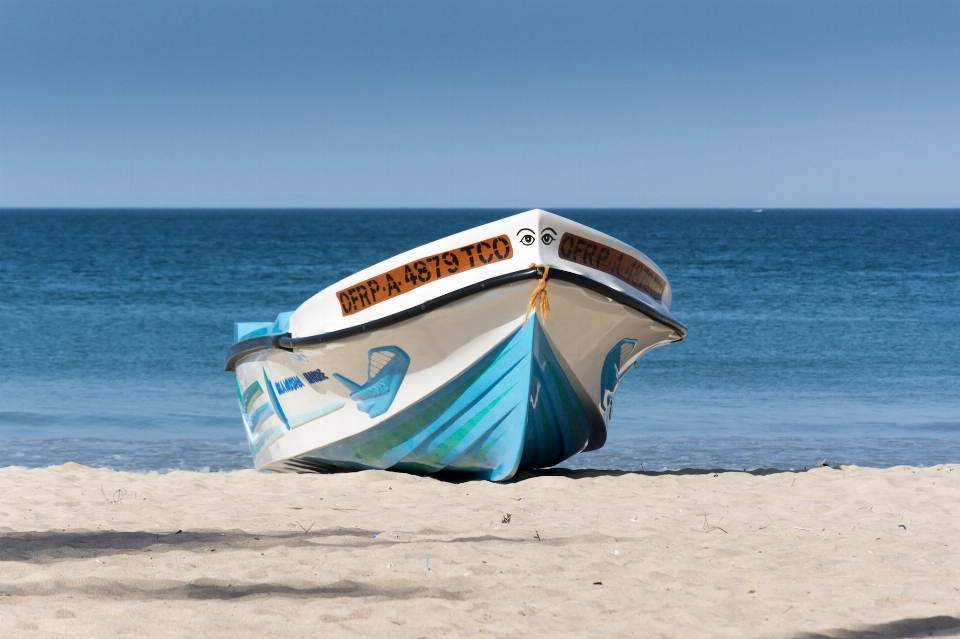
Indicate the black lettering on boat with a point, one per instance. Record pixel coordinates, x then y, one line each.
345 302
607 259
578 247
497 242
362 294
374 288
422 273
392 285
588 254
617 266
469 251
436 264
406 277
483 258
453 264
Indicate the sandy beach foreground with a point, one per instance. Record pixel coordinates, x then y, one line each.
849 552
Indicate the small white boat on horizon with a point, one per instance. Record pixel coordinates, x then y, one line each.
492 350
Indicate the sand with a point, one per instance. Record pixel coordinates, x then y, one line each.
849 552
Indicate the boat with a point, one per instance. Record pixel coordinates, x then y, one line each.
493 350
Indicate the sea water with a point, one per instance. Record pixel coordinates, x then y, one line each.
813 335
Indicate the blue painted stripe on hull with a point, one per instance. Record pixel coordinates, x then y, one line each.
274 400
266 410
558 424
264 439
514 408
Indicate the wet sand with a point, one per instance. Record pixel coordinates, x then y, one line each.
849 552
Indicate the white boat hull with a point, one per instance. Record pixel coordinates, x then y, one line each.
477 384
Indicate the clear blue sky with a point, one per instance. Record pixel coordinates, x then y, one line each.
480 104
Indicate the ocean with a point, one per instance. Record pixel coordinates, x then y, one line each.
813 335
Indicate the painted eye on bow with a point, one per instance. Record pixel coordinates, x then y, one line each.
527 237
548 236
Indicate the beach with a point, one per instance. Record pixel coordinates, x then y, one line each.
827 552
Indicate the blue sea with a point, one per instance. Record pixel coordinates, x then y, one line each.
814 335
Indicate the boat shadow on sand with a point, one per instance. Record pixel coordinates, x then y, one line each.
45 547
51 546
590 473
940 626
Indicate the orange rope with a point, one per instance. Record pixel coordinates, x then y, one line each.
539 299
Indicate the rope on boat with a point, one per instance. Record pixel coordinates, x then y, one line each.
539 300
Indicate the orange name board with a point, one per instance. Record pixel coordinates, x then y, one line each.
609 260
408 277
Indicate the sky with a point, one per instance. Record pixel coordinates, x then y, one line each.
456 103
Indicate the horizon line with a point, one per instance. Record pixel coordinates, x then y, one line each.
748 209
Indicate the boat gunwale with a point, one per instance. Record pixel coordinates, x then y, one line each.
287 342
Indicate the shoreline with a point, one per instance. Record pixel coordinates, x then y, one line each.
762 553
664 452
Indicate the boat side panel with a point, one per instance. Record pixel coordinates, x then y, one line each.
585 326
466 388
559 423
517 407
534 237
333 391
474 424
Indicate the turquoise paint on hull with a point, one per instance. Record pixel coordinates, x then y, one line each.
558 422
274 400
257 417
514 408
252 422
386 368
246 330
306 417
612 372
264 439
